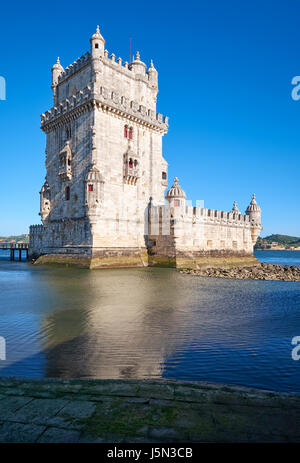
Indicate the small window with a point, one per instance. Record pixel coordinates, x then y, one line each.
67 193
96 45
130 133
68 132
130 163
176 202
91 187
164 175
125 131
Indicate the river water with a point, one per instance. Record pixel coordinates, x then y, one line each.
150 323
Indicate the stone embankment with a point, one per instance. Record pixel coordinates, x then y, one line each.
60 410
261 271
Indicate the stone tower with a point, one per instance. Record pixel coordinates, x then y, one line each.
103 158
103 203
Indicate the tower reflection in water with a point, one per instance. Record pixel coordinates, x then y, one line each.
114 323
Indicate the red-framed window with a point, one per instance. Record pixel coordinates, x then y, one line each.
176 202
125 131
91 187
130 133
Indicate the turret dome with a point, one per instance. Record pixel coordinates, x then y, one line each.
253 206
97 35
137 65
57 66
175 191
235 209
93 175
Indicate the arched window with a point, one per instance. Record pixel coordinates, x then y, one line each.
130 163
135 163
67 193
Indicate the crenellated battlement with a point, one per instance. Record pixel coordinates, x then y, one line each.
110 60
200 214
36 229
76 66
108 99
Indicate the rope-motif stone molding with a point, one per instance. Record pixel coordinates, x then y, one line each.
109 101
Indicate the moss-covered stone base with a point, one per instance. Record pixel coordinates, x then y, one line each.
218 262
140 258
102 259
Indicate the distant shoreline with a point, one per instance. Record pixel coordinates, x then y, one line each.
281 249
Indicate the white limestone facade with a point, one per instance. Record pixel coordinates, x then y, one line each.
103 201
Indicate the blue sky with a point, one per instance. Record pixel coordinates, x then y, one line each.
225 71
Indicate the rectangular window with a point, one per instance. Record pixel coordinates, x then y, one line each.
125 131
130 133
91 187
176 202
164 175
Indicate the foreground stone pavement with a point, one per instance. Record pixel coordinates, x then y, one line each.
54 410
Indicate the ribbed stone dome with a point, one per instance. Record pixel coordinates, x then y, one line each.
93 175
175 191
253 206
97 35
57 66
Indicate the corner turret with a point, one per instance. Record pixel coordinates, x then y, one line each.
254 211
97 49
176 197
56 70
153 76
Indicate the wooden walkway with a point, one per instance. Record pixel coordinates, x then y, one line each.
15 249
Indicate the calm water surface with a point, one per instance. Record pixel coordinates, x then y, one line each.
141 323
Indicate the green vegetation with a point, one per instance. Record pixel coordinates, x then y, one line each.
271 241
15 239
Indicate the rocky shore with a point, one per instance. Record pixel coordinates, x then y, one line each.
260 271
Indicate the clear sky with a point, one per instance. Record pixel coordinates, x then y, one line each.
225 71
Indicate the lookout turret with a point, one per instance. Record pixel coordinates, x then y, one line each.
56 70
153 76
175 195
254 211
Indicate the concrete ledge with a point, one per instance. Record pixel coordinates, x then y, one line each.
59 410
